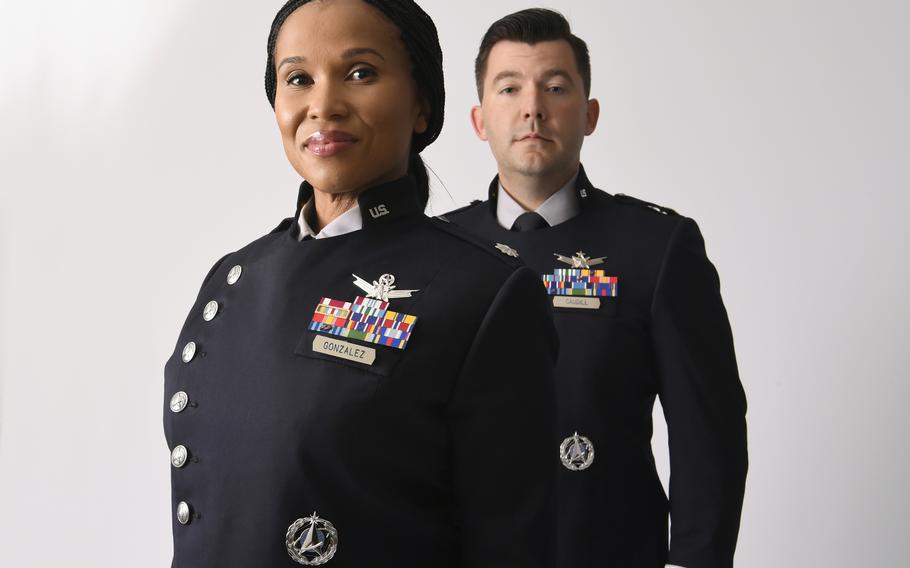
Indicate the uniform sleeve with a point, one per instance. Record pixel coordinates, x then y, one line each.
704 405
503 423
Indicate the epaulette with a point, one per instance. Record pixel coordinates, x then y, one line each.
623 198
486 246
444 217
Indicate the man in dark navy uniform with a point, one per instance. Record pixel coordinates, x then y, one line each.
638 309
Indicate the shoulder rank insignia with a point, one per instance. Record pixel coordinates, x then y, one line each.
311 541
634 200
507 250
368 318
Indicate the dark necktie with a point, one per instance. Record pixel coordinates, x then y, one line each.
529 221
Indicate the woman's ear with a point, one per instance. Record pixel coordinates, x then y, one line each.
422 121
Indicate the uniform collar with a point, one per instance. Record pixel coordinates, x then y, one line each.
376 205
559 207
582 189
347 222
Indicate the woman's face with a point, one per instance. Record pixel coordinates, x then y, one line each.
346 102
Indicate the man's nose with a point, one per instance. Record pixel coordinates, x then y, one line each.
534 108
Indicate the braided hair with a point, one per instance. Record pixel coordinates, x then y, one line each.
418 33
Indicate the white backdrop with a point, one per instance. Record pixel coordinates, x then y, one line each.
137 147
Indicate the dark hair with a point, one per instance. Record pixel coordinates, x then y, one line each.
532 26
418 33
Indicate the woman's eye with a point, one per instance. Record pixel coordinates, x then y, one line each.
362 74
299 80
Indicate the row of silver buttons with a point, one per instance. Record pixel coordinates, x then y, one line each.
180 400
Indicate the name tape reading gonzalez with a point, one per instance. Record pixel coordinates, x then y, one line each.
365 319
344 350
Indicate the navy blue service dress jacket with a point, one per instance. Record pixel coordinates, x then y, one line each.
428 443
659 329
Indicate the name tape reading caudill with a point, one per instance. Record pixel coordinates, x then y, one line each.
576 302
344 350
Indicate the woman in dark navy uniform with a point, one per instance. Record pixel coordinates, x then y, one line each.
359 387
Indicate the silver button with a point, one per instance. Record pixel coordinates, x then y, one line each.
234 275
183 512
576 452
189 351
210 311
179 401
178 456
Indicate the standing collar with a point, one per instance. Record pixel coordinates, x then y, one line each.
377 205
559 207
347 222
556 211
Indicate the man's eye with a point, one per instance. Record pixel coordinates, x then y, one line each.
300 80
556 89
507 90
362 74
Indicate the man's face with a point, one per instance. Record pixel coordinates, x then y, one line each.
534 111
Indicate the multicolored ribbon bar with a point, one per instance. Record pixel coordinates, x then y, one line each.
580 282
364 319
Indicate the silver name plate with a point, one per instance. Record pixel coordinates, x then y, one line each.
576 302
344 350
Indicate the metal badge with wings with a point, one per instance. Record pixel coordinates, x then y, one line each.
382 289
580 260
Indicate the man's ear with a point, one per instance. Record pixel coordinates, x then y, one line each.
591 116
477 122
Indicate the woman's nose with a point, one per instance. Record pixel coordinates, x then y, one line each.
326 102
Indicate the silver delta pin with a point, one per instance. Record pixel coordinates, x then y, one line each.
311 541
576 452
580 260
506 249
382 289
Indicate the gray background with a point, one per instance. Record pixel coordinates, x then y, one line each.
137 147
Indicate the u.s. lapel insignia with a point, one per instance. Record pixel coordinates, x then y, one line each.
506 249
576 452
579 286
311 541
368 319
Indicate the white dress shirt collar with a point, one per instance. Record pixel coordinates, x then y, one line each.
558 208
347 222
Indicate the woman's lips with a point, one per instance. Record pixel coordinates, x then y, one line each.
325 144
